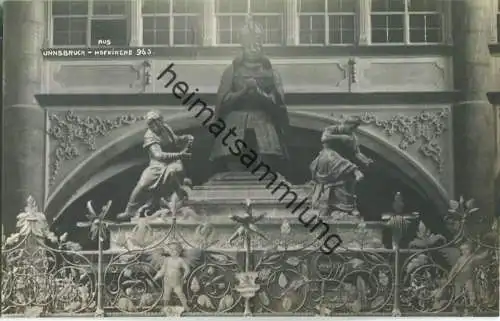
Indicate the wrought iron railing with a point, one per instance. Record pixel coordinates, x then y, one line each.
45 275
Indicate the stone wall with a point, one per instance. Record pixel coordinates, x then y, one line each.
300 75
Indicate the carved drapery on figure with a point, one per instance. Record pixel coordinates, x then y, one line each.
250 98
336 170
163 180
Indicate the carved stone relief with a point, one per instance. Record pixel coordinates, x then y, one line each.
73 134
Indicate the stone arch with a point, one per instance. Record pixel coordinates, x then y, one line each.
88 174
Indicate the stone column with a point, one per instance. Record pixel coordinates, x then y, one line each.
291 23
209 23
365 34
24 120
136 23
474 116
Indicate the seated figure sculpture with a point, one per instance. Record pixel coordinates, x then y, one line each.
250 99
164 176
335 175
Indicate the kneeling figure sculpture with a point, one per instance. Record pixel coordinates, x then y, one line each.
164 177
335 174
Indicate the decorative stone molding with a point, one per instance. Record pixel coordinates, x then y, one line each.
71 132
424 129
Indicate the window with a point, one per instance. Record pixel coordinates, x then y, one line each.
232 14
171 22
327 22
84 22
390 19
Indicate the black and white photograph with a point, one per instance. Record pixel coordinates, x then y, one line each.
250 158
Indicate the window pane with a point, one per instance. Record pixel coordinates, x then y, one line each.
110 7
312 30
148 37
379 21
312 6
155 6
276 6
162 38
161 23
114 30
388 5
185 30
156 23
422 5
225 37
231 6
433 21
77 38
417 21
153 28
61 38
228 28
396 35
341 6
65 7
271 25
187 6
341 29
70 31
396 21
148 23
433 35
224 23
387 28
425 28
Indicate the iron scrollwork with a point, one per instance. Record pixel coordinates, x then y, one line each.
48 274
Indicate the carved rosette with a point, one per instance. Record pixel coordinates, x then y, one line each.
72 133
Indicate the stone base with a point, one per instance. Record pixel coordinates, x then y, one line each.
205 220
285 233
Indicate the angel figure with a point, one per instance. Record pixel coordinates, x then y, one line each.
462 276
174 271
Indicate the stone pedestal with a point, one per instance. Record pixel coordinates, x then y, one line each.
206 222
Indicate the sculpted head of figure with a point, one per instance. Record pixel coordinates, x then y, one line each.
154 121
251 39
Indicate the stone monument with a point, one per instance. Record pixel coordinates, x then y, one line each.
251 100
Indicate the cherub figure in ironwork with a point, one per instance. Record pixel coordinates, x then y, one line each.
174 270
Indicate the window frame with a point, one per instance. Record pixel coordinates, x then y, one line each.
406 26
89 17
171 15
326 16
245 14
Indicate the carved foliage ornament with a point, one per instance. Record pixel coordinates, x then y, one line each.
424 129
72 132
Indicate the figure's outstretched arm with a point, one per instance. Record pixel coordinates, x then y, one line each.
160 273
185 142
158 154
186 268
